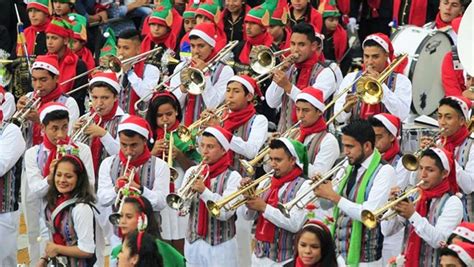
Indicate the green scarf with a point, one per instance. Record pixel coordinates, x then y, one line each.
353 256
188 148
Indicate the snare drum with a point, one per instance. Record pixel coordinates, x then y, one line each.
426 49
411 137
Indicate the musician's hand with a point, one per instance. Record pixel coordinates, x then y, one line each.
351 101
280 78
42 263
21 103
50 177
175 153
257 204
469 94
51 249
158 147
326 191
126 67
213 121
394 192
371 72
120 182
245 181
426 141
316 177
198 63
199 186
95 130
405 209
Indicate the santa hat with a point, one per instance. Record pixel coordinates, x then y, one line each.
318 224
209 9
50 107
329 9
109 78
382 40
465 252
79 24
110 45
280 14
59 27
261 14
190 10
249 83
47 62
161 16
444 156
465 230
42 5
298 151
205 31
222 135
138 125
392 123
464 105
314 96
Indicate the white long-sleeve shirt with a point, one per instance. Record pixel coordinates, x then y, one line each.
256 139
213 94
397 102
465 176
157 194
12 146
8 106
111 144
143 86
327 155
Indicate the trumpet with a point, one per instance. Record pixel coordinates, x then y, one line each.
249 166
263 59
248 191
267 75
173 171
370 219
19 117
181 200
87 120
411 162
287 207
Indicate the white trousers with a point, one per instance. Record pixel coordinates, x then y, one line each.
8 234
392 246
200 254
244 240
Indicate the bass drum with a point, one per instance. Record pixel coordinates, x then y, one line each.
426 49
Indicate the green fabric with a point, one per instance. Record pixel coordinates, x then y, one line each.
62 23
188 148
331 13
301 153
353 256
162 13
110 45
65 1
212 7
171 257
44 3
79 24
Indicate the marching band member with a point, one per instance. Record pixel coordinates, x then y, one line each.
79 40
452 72
281 33
40 16
435 215
464 232
210 241
365 185
62 8
232 19
275 233
189 22
12 146
378 54
140 250
160 33
37 171
151 174
44 76
303 11
323 148
306 71
448 10
204 46
70 212
457 255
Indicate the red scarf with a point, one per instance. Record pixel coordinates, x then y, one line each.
412 251
53 151
140 160
85 54
214 170
57 237
317 127
2 100
417 12
390 154
51 97
339 42
30 35
67 69
299 263
265 39
160 132
439 23
237 118
265 230
455 140
374 6
96 144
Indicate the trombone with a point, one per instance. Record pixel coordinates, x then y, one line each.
370 219
411 162
269 73
263 59
87 120
368 89
287 207
249 166
19 117
248 191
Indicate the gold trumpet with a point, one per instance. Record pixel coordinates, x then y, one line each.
87 120
19 117
287 207
247 191
263 59
411 162
370 219
249 166
267 75
173 172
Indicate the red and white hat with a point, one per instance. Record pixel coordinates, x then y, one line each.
382 40
464 104
109 78
465 252
249 83
314 96
205 31
47 62
392 123
465 230
222 135
444 156
50 107
136 124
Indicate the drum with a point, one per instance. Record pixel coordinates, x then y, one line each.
411 137
426 49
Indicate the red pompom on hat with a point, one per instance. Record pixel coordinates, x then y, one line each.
249 83
314 96
465 252
50 107
222 135
391 122
109 78
138 125
47 62
465 230
206 31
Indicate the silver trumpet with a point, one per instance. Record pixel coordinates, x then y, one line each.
123 192
87 120
287 207
19 118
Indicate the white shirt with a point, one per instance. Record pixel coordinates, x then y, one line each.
156 195
144 86
83 218
8 106
213 95
465 176
256 138
12 146
327 155
37 183
397 102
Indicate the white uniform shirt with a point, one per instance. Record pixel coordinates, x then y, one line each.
8 106
143 86
327 155
112 145
83 218
12 146
256 138
465 176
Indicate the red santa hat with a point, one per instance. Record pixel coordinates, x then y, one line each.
382 40
314 96
138 125
318 224
249 83
205 31
50 107
47 62
465 252
465 230
222 135
444 156
464 104
109 78
60 27
392 123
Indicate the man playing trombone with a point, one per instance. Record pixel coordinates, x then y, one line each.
365 185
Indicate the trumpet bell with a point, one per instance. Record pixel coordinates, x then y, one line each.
174 201
184 133
173 174
410 162
283 210
249 169
213 208
114 218
370 90
194 81
262 59
369 219
112 62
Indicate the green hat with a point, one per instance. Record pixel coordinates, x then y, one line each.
329 9
261 14
190 10
60 27
162 16
210 10
79 24
110 45
65 1
297 150
42 5
280 14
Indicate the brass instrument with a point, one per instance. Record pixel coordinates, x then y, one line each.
19 117
370 219
86 120
247 191
411 162
287 207
368 89
181 200
263 59
249 166
267 75
169 158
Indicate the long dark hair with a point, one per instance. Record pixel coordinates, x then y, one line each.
155 103
153 227
148 254
328 248
82 191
